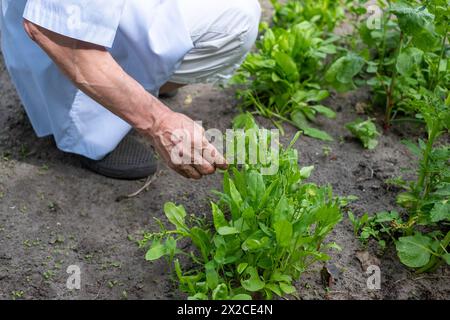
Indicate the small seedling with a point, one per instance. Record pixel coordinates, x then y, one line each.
18 294
365 131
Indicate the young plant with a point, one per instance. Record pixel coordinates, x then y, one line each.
267 230
281 79
407 51
365 131
421 236
326 14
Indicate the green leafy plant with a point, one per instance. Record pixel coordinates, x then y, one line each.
281 79
326 14
406 52
267 230
342 72
365 131
421 235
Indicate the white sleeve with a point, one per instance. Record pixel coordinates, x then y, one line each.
94 21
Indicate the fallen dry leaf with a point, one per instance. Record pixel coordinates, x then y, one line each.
366 259
188 100
361 107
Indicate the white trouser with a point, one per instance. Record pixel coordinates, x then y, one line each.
222 33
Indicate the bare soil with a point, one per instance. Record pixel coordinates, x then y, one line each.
53 213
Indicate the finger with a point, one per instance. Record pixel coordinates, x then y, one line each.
204 167
214 157
189 172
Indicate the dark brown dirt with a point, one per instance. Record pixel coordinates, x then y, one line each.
54 214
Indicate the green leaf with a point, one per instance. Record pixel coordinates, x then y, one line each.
253 282
256 241
225 255
305 172
239 180
446 258
386 216
341 73
327 112
212 277
282 211
198 296
225 231
287 65
318 95
241 267
440 211
156 251
171 246
287 288
268 194
283 231
249 214
333 245
405 65
241 297
218 217
412 147
235 195
226 183
274 288
256 186
351 217
365 131
406 199
411 20
414 251
220 292
235 199
351 67
316 133
280 277
327 216
201 240
176 215
244 121
408 61
299 119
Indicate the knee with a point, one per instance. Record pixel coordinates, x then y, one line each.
249 13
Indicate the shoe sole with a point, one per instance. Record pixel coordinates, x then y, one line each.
122 174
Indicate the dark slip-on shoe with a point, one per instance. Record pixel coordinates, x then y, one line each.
131 160
170 94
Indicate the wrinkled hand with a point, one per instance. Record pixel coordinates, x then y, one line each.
182 144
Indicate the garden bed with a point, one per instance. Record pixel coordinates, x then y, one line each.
54 214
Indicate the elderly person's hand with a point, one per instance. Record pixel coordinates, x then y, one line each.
183 145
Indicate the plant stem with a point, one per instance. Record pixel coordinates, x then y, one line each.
423 176
425 163
413 120
435 81
383 46
390 93
446 241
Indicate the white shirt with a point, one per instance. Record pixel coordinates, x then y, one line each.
148 38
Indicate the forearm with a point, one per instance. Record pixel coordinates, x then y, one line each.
95 72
